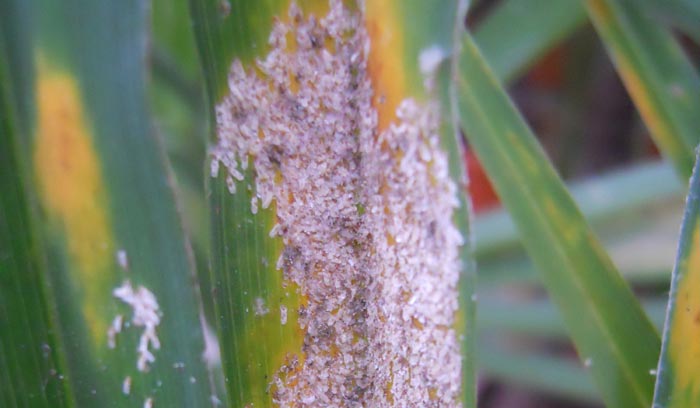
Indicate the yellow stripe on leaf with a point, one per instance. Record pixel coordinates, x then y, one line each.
71 189
640 89
386 59
685 329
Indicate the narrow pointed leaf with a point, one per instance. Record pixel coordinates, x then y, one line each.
658 75
539 318
601 199
453 143
126 308
682 15
610 330
678 382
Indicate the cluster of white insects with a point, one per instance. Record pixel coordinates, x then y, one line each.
365 215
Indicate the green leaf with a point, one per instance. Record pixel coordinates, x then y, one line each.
678 382
607 325
602 199
537 318
679 14
662 82
654 225
513 36
31 366
452 141
507 327
558 376
107 213
243 256
256 346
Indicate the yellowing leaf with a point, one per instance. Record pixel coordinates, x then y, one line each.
678 383
69 179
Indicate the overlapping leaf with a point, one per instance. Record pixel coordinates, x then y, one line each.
662 82
107 217
612 334
678 382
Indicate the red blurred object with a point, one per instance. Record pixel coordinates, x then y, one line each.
548 73
480 190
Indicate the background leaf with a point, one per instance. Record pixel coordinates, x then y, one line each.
601 200
662 82
557 376
512 37
611 332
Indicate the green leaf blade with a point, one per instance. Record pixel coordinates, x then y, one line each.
108 215
243 268
611 332
677 382
558 376
512 37
30 360
660 79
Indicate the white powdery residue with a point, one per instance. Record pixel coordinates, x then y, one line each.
430 58
260 308
283 314
126 385
146 314
212 353
254 205
365 217
214 169
122 259
114 329
274 231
